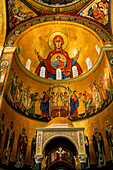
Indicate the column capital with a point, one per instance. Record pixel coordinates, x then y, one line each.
38 159
9 49
82 158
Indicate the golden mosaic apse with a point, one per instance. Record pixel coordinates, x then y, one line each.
76 37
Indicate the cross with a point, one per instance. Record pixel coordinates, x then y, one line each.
60 152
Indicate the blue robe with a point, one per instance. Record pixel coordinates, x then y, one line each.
74 105
45 105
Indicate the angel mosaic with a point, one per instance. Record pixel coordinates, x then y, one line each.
58 100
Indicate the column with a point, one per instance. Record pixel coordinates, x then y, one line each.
38 160
82 154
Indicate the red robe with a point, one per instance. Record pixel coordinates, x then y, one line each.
67 70
61 64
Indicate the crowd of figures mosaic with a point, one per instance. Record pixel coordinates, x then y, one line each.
58 100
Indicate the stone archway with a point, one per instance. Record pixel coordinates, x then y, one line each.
60 136
70 158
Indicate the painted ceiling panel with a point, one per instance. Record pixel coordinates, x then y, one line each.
22 10
97 10
18 12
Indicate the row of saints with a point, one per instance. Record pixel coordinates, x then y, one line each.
98 144
57 99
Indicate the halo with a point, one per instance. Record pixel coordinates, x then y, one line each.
94 5
95 127
56 57
24 128
55 34
107 122
53 58
4 62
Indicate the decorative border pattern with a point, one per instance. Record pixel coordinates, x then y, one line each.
102 33
48 135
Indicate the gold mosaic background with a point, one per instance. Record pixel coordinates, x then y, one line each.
31 125
78 37
80 85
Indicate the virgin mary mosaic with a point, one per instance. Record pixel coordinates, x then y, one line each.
58 64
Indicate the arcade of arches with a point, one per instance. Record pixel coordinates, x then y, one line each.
56 84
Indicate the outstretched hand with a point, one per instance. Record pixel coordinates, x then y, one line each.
37 53
78 53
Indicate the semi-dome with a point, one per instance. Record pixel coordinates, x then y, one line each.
72 43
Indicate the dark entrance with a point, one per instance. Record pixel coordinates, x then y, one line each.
60 154
61 165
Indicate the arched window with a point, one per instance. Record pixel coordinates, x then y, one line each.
28 63
58 74
42 72
74 71
98 49
89 64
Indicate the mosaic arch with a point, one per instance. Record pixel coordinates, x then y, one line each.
101 32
